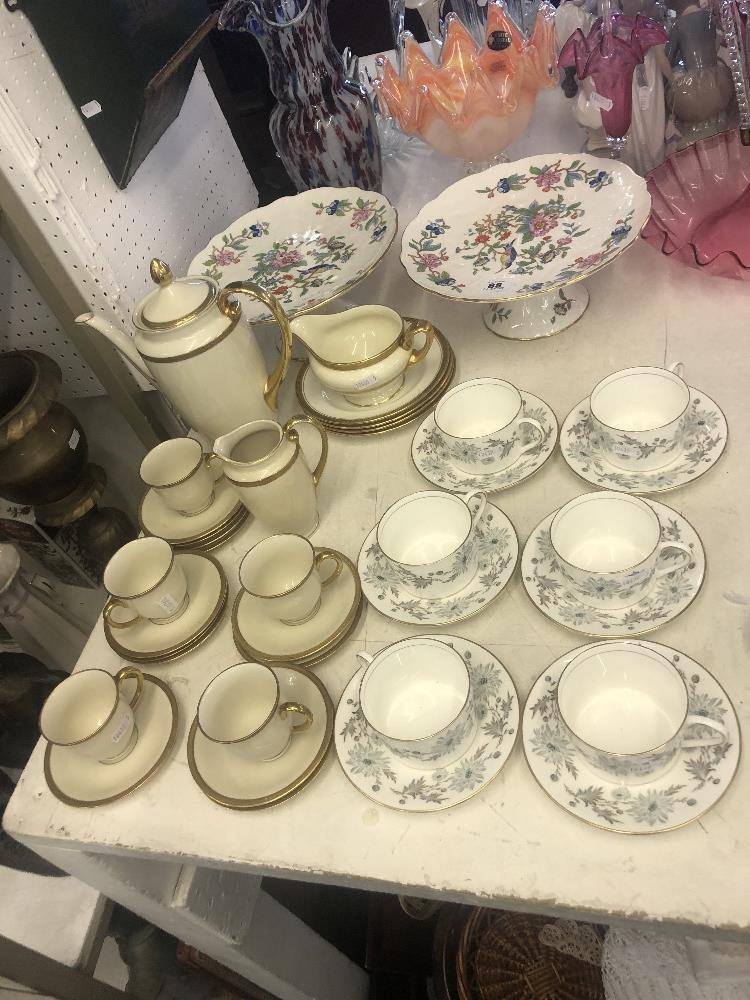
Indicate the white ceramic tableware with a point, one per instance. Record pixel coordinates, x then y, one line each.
428 540
178 471
282 574
364 352
626 710
241 708
637 416
481 424
609 546
416 695
265 464
88 713
144 577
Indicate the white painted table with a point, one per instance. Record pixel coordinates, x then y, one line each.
510 846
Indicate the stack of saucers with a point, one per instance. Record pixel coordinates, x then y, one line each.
200 532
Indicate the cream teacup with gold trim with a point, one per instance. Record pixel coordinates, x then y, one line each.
242 709
88 713
282 573
179 472
144 578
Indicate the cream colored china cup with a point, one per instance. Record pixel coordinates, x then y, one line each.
416 695
363 352
266 466
241 709
637 416
609 547
627 710
428 540
481 425
179 472
144 577
282 573
88 713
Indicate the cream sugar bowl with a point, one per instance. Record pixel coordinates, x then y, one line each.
428 540
416 695
636 416
608 547
265 464
364 352
480 423
626 709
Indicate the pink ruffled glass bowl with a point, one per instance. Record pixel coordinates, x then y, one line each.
700 206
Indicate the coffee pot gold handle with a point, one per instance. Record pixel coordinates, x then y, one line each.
233 310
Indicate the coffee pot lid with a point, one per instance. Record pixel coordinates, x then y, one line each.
176 301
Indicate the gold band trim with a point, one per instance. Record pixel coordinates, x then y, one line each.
258 728
140 320
75 743
134 597
284 593
274 475
197 351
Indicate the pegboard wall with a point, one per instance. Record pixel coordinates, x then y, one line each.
26 322
191 185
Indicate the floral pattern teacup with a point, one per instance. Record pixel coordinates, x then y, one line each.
608 546
428 540
481 424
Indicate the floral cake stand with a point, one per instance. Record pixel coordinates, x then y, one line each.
306 249
519 237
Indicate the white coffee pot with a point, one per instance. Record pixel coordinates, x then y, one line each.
192 342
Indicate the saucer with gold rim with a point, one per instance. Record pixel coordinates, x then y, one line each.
695 782
80 781
430 456
667 598
240 784
144 642
199 531
497 549
266 640
388 780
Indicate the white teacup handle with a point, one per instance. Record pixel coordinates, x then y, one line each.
531 445
364 658
677 368
666 570
707 741
476 515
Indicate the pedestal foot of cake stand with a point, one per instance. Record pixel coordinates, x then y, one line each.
538 316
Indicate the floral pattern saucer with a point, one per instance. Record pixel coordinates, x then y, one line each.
703 434
668 598
386 779
497 547
695 783
524 229
305 250
430 456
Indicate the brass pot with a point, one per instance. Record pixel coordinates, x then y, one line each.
43 449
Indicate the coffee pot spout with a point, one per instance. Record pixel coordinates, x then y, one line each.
120 340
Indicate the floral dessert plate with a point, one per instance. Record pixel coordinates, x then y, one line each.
82 781
266 640
388 780
703 434
305 250
236 783
526 229
696 781
668 598
497 547
430 456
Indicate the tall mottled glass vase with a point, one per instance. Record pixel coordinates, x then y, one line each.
323 126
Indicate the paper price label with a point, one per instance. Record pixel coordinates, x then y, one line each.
366 380
73 440
90 109
600 101
168 603
123 727
644 98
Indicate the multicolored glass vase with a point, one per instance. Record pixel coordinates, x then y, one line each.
323 126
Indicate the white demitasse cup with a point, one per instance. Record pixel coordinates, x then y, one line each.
609 546
428 539
88 713
179 472
242 709
481 423
144 577
636 417
626 709
416 695
282 573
